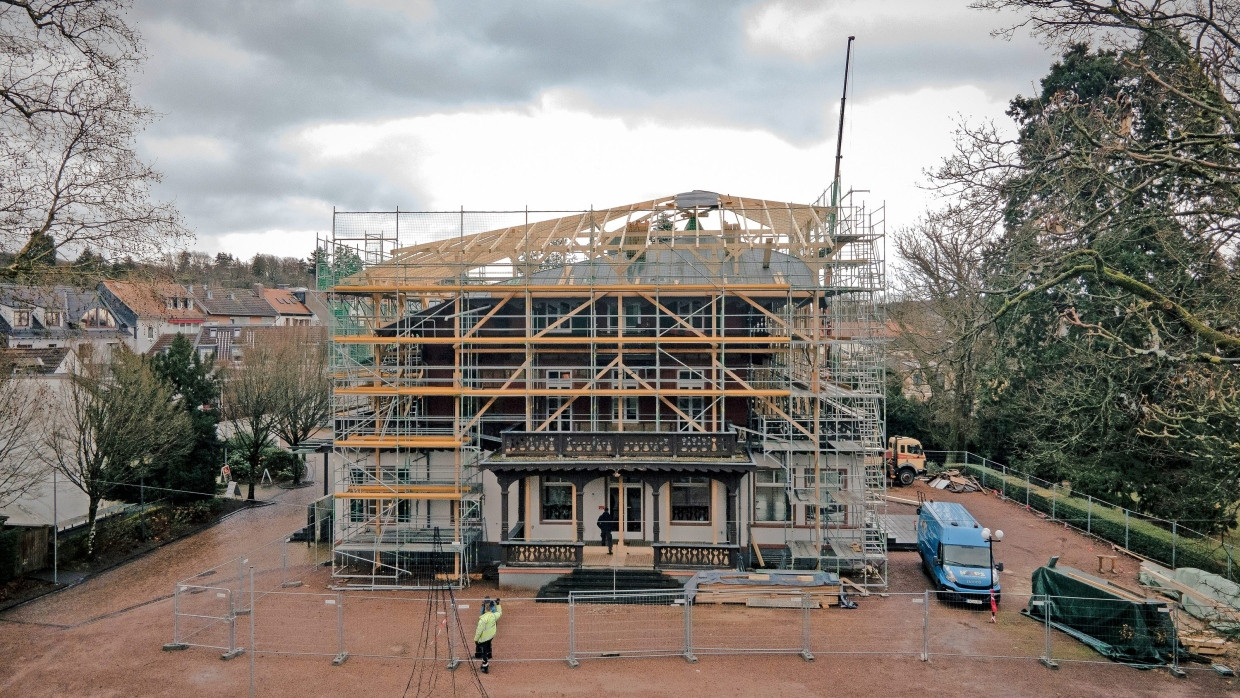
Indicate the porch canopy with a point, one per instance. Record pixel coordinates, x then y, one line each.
652 472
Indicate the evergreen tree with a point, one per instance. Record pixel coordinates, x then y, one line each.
193 475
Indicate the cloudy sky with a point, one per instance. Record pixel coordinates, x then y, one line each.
275 112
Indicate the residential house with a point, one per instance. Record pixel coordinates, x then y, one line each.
34 317
708 367
291 311
145 311
239 307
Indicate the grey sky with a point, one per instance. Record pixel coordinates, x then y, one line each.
251 93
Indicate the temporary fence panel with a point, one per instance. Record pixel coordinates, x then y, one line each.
886 624
202 616
744 621
959 629
1092 629
528 630
627 624
297 623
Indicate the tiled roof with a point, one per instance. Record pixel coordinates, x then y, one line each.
32 361
285 302
165 340
238 302
148 299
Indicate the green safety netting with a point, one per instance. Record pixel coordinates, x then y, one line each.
1133 632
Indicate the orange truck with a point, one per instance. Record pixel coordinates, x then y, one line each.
905 460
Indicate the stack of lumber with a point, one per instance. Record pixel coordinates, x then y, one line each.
1217 612
953 481
1205 645
759 590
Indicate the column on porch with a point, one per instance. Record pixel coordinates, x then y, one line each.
656 487
505 481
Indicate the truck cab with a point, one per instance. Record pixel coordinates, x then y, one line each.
905 460
956 552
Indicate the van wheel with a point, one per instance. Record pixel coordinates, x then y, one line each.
906 476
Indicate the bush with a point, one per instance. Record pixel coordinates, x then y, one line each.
1181 548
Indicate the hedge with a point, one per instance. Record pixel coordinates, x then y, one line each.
1183 548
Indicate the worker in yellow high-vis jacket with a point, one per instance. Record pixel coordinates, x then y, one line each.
491 612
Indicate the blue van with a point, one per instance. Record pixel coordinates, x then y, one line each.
956 553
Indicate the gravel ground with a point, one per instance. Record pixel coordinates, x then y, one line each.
104 637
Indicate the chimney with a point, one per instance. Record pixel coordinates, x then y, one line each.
258 289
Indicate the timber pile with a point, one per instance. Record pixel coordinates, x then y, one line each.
1215 611
758 588
953 481
1205 645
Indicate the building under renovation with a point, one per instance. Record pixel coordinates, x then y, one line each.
709 367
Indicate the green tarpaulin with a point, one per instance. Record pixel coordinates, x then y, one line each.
1128 631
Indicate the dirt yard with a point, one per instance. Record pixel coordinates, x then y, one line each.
104 637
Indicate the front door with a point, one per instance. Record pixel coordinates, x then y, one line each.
629 514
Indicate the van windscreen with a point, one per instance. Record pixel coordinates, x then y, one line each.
966 555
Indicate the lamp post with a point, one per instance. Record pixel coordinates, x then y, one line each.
991 539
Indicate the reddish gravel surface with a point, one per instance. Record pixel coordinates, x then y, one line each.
104 637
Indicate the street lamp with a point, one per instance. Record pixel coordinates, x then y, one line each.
991 539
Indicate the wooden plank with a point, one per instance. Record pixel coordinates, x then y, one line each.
779 602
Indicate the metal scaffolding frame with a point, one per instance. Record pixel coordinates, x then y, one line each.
695 313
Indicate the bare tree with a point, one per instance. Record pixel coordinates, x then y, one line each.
942 316
116 420
303 386
68 122
251 405
23 409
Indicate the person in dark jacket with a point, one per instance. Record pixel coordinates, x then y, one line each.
606 526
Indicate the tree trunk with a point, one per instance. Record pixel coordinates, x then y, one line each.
92 510
301 465
251 491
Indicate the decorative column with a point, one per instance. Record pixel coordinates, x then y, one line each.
733 506
503 508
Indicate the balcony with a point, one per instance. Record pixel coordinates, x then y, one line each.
612 444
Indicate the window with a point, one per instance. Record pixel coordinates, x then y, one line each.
21 318
557 499
693 407
632 314
51 318
547 312
150 332
770 497
691 500
357 510
404 511
631 411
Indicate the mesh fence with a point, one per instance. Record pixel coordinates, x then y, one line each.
286 612
738 622
887 624
203 617
634 624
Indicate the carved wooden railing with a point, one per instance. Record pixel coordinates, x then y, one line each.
550 554
612 444
695 555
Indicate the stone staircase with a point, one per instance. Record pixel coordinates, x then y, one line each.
615 579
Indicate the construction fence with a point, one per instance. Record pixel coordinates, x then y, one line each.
269 603
1170 543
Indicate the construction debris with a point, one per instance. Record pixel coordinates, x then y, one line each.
953 481
1203 595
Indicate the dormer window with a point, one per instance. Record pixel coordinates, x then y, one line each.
51 318
21 318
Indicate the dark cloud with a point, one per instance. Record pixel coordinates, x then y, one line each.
248 72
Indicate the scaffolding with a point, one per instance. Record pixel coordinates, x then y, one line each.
462 337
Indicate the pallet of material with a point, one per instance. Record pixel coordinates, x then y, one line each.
1203 645
822 596
783 602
